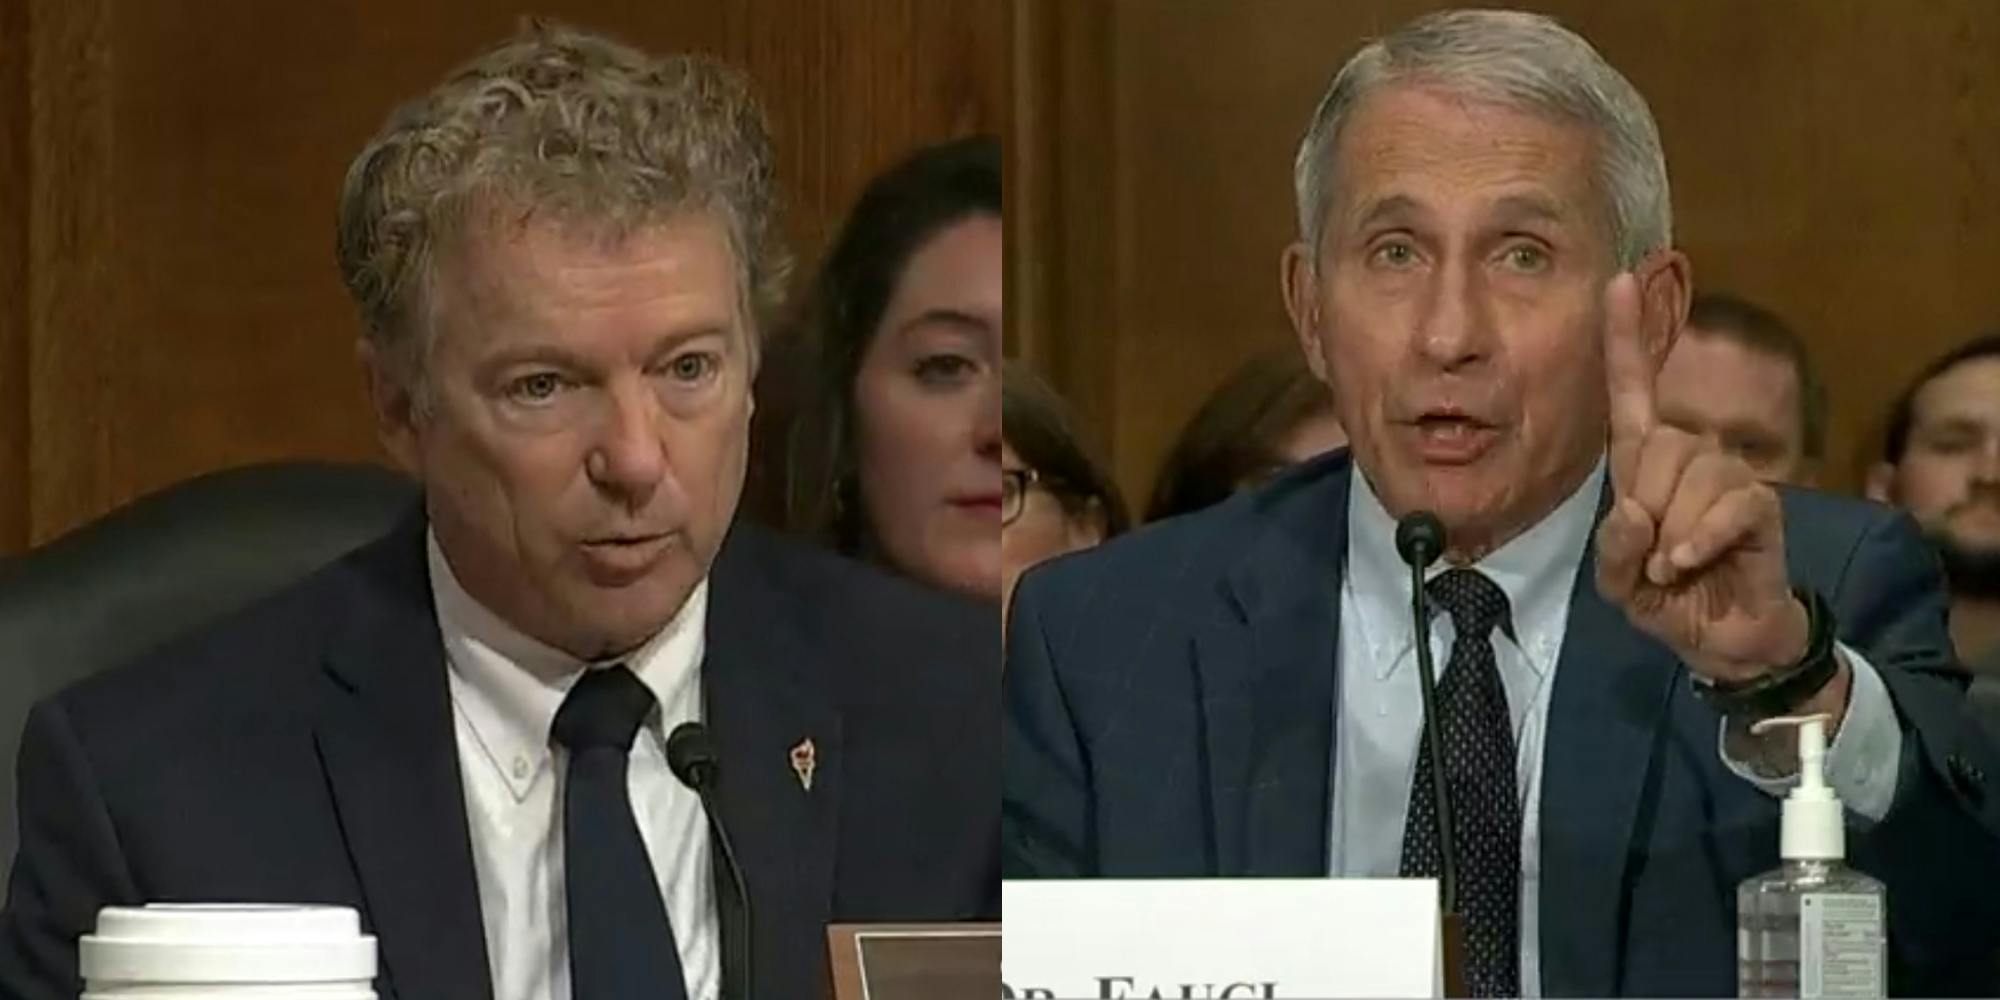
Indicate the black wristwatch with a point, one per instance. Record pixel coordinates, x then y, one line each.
1781 692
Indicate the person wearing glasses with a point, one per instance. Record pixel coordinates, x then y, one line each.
896 456
1054 498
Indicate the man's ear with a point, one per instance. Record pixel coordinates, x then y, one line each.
1666 287
1299 276
395 407
1881 483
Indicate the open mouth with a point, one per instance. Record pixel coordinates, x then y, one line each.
1451 437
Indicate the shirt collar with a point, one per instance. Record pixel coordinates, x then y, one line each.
508 685
1537 570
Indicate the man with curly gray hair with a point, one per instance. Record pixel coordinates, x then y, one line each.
570 731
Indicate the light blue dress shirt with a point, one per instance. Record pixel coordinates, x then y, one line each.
1381 712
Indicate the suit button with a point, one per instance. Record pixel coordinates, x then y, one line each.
1971 781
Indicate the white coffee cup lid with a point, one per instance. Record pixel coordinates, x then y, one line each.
227 943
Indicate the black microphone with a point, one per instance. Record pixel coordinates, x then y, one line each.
1420 541
691 756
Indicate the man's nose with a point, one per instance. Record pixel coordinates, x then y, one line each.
628 457
1456 328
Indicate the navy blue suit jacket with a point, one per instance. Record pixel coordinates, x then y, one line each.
1170 706
303 752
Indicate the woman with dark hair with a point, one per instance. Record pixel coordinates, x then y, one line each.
1054 498
896 456
1270 413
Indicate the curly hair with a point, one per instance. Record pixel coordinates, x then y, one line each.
563 125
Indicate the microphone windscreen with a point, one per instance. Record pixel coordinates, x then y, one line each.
691 755
1419 538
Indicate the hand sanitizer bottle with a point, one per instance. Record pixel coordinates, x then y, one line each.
1813 927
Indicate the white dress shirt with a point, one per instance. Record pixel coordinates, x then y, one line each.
505 690
1381 712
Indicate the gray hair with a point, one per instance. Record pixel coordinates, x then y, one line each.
558 124
1517 60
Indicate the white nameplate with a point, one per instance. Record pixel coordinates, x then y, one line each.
1219 939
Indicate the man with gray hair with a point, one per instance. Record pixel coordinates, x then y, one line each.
1486 277
570 732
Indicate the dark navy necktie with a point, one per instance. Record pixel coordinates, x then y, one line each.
621 944
1477 734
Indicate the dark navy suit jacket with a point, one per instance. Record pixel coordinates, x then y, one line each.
303 752
1170 703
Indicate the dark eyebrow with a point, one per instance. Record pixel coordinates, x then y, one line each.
947 317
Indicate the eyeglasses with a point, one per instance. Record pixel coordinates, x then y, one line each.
1014 484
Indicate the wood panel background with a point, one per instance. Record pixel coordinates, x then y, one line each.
1838 160
168 174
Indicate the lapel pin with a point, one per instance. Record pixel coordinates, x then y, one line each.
805 757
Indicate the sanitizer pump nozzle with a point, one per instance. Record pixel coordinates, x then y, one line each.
1811 825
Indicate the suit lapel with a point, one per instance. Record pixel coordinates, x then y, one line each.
1265 666
1608 712
763 705
385 742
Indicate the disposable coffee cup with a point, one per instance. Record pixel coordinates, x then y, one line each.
210 951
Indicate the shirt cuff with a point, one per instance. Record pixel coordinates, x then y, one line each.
1866 755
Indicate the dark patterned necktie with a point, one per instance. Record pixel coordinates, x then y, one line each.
1478 739
621 945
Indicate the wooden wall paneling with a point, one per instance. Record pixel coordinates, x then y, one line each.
71 239
1027 137
15 186
185 311
855 86
1067 206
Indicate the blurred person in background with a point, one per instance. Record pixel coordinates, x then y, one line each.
1941 462
1739 377
1056 497
896 454
1268 414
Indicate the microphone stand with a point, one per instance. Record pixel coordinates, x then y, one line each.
1420 540
691 755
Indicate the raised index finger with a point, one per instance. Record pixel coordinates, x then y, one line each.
1628 373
